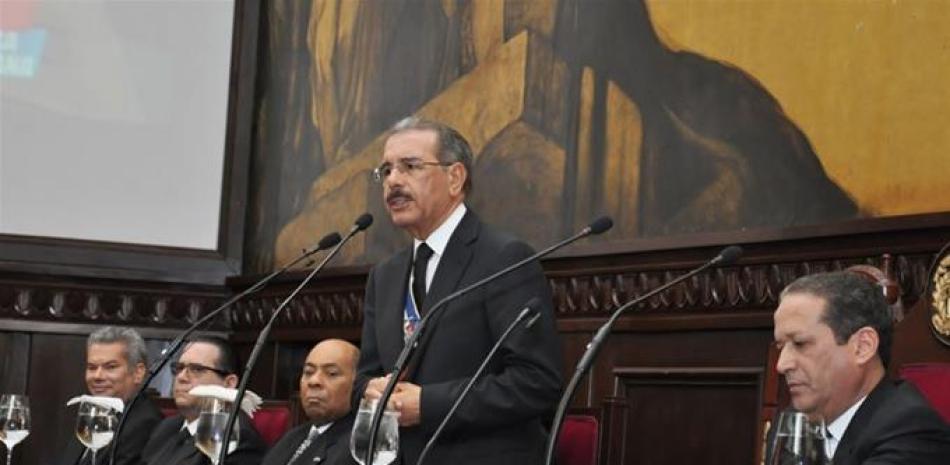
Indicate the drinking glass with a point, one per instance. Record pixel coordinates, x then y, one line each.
14 421
387 439
95 426
211 424
799 441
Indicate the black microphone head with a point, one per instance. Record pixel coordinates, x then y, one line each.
329 240
600 225
364 221
730 254
533 307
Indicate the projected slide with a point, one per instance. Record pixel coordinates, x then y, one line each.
113 118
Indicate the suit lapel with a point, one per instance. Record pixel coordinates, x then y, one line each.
844 454
452 267
389 309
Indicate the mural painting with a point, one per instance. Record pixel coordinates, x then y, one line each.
574 108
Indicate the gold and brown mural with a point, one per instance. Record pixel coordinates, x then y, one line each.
677 117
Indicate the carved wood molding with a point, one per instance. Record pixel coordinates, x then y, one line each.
104 302
579 292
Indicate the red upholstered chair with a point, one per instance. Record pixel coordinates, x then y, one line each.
577 444
933 380
272 420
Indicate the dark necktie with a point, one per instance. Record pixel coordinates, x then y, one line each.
311 437
423 254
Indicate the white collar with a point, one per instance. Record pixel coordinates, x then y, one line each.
439 239
191 426
318 430
837 427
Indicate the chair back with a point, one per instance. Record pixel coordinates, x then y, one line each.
577 443
272 420
933 381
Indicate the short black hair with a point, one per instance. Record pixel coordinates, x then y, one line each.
851 303
227 358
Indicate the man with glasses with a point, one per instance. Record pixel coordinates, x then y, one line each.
116 361
203 361
426 173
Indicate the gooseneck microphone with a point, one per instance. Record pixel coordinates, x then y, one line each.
361 223
325 243
726 256
531 311
598 226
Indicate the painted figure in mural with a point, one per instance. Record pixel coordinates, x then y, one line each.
834 333
571 107
426 180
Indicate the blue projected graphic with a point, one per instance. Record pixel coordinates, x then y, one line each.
21 51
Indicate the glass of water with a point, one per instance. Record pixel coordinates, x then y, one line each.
387 439
95 426
799 440
14 421
211 424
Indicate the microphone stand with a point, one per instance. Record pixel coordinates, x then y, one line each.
598 226
326 242
727 256
530 307
363 222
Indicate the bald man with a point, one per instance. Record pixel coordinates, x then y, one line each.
326 384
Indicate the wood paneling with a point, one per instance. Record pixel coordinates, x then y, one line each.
57 373
679 415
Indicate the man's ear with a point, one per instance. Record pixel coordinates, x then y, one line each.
138 373
865 342
231 380
457 177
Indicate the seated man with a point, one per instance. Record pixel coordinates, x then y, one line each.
115 367
834 332
326 384
204 360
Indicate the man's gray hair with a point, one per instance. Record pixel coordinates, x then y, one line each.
452 145
135 350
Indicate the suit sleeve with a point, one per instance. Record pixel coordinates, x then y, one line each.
920 437
525 381
370 365
141 424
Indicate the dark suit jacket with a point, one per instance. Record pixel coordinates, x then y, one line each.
330 448
500 422
163 450
143 417
895 425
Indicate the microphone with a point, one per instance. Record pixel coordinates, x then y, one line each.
325 243
363 222
725 257
530 308
598 226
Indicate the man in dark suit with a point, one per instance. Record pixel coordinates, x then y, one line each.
204 361
326 385
115 367
426 174
834 333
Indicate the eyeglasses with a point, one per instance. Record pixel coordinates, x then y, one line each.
194 369
409 166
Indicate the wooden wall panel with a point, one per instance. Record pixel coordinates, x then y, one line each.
690 415
57 372
14 362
